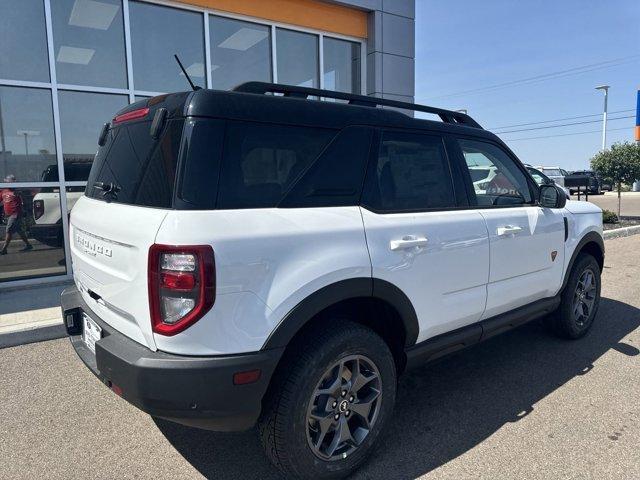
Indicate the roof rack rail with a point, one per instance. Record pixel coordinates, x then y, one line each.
447 116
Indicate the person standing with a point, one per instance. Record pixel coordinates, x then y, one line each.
12 207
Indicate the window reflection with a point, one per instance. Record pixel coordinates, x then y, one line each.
341 65
240 52
31 239
81 118
23 41
297 58
88 40
27 142
157 33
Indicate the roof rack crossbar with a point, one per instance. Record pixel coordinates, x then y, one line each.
447 116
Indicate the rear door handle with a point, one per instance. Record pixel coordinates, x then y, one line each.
508 230
408 241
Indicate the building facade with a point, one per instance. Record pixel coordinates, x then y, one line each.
66 66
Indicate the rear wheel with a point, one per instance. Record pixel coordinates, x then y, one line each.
329 402
579 301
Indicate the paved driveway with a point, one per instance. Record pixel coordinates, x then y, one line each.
523 405
630 202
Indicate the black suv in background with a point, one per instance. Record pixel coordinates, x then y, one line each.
597 185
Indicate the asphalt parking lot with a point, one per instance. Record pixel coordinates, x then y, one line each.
522 405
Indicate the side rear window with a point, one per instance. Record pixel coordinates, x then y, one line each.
262 161
335 179
411 174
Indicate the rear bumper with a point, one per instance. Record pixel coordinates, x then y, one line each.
194 391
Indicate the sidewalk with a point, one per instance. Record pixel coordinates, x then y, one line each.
30 315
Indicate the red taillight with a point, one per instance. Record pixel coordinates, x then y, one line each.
181 286
38 209
132 115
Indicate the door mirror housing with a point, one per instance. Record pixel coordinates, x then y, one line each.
552 196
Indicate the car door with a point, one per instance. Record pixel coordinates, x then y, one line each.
526 240
420 236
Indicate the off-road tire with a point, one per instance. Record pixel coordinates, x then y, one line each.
284 422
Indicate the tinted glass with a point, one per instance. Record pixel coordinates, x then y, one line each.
411 173
88 40
261 161
142 169
297 57
240 52
33 219
501 182
341 65
321 186
157 33
82 116
23 41
539 177
201 164
27 142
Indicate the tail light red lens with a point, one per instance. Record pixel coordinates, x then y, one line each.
38 209
181 286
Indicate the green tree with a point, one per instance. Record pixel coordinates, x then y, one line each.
621 164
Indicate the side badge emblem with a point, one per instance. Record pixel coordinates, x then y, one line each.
554 254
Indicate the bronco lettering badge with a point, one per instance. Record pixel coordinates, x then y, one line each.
91 247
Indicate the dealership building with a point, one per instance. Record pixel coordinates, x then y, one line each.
66 66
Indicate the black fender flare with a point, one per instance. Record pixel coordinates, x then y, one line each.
337 292
590 237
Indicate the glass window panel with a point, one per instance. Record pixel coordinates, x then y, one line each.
30 224
157 33
23 41
240 52
297 58
27 142
88 40
341 65
81 118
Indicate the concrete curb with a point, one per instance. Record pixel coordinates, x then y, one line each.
622 232
38 334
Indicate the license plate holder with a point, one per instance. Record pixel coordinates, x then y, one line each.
91 332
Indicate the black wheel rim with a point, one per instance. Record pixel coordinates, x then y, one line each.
584 298
344 407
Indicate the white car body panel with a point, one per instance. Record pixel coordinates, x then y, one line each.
446 280
275 257
523 267
109 250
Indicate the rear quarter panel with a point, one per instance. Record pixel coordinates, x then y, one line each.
267 261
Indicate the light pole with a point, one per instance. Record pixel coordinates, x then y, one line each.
605 88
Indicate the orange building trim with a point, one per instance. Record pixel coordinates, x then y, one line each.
312 14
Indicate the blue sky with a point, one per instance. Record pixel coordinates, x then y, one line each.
475 45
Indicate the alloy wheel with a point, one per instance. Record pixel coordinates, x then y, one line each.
344 407
584 297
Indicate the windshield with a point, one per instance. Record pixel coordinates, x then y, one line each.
553 172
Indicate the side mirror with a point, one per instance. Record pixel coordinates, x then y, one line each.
551 196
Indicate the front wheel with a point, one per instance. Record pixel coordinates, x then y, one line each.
329 402
580 300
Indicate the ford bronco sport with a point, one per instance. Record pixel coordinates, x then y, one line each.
259 256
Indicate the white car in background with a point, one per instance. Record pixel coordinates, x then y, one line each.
542 179
556 174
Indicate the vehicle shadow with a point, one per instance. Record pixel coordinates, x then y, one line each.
443 409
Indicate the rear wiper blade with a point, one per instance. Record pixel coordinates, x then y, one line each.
108 188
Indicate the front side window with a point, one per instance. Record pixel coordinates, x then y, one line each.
497 180
411 174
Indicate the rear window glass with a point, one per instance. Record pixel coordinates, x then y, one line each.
141 170
262 161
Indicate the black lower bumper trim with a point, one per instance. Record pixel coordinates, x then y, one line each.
194 391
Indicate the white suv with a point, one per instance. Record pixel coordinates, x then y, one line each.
244 258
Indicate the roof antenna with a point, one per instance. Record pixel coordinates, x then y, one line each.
193 87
